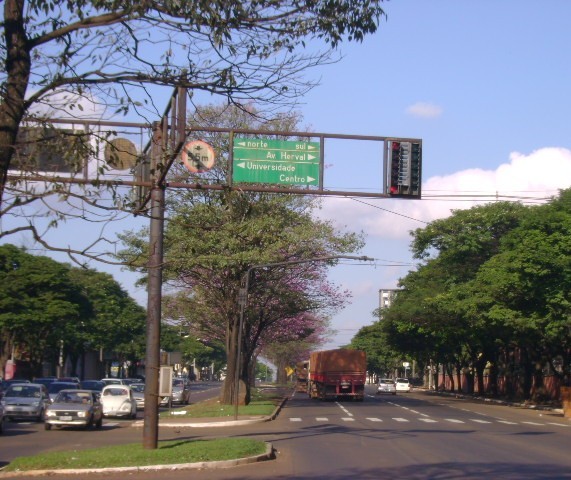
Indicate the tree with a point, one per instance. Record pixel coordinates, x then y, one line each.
49 308
213 238
39 306
117 322
61 55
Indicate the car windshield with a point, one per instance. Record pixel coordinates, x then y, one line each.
138 387
402 380
73 397
386 380
23 391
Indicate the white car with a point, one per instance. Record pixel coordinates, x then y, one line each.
118 401
402 385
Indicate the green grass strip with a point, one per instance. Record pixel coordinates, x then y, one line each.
171 452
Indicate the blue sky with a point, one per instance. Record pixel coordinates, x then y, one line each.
485 85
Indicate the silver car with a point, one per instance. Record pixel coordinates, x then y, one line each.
386 385
25 401
139 394
74 407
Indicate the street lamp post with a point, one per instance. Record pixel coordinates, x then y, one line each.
243 299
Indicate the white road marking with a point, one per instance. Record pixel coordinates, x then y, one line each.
507 423
533 423
477 420
347 419
399 419
295 419
428 420
453 420
374 419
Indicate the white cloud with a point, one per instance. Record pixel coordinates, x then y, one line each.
527 178
424 110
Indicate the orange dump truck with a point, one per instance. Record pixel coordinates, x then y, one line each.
337 373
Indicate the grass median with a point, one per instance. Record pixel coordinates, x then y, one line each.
263 402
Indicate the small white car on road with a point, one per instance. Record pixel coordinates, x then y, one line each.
402 385
118 401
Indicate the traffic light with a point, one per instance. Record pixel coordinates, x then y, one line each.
394 162
404 165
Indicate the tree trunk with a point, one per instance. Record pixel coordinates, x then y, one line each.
228 392
281 375
17 67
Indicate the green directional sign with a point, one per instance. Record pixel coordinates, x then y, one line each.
283 162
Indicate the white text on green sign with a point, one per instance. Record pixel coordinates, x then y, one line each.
276 161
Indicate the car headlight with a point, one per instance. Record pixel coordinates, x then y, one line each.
49 413
82 414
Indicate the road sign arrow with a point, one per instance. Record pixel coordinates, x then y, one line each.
241 164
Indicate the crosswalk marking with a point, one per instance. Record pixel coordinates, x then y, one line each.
425 419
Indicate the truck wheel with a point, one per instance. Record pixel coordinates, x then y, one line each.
47 426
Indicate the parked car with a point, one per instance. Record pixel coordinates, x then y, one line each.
1 418
25 401
139 394
386 385
55 387
6 383
75 407
95 385
402 385
118 401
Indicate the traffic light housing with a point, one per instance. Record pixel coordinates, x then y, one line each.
404 168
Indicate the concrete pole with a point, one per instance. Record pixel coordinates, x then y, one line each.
155 278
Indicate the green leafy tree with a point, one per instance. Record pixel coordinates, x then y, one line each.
117 323
213 238
40 306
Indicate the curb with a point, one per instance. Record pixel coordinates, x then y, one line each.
222 423
269 454
496 401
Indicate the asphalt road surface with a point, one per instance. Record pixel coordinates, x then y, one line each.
416 435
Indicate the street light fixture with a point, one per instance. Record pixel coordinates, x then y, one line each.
243 299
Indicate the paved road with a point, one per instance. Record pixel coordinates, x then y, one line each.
416 436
